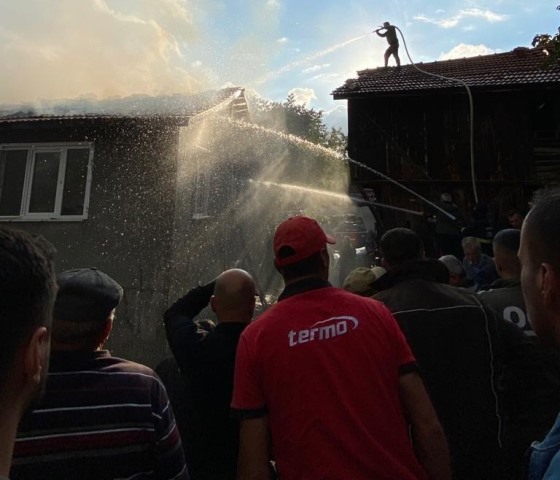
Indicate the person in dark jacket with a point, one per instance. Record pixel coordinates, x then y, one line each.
206 358
448 227
526 417
461 348
481 228
504 295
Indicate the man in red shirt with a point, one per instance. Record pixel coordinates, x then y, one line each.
328 376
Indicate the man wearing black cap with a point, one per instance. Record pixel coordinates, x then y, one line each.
330 377
101 416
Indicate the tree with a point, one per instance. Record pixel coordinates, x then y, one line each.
550 43
291 118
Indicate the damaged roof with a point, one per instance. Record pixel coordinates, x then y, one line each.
519 68
177 107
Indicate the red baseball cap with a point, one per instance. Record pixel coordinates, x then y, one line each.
303 235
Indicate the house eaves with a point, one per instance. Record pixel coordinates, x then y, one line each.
521 68
173 109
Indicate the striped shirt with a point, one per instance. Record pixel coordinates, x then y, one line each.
101 417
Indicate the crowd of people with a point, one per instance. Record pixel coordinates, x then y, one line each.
419 368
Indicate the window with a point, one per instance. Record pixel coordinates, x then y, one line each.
45 181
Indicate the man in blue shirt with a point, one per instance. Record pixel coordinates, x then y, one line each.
479 267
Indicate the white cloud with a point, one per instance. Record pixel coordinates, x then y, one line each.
315 68
463 50
326 77
454 20
273 3
282 40
337 117
121 48
303 96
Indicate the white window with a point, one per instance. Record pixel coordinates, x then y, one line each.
45 181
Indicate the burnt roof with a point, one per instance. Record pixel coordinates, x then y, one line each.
520 68
178 108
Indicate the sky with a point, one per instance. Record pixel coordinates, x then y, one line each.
60 49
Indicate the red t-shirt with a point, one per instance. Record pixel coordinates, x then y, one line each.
324 366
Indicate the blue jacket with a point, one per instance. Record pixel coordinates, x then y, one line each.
544 463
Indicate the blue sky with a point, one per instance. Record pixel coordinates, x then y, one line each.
101 48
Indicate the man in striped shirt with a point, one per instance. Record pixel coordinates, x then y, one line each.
102 417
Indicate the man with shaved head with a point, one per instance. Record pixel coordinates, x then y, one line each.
540 282
504 295
206 357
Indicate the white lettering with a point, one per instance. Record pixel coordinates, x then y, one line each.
324 330
341 328
291 336
516 316
327 332
303 336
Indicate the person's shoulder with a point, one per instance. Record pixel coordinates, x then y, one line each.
122 365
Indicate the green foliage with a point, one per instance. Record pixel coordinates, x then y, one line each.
294 119
550 43
337 140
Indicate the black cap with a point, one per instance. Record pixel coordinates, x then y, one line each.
86 294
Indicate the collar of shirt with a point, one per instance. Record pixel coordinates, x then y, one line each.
302 286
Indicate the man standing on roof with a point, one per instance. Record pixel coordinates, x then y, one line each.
391 35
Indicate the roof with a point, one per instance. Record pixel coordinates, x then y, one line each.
521 67
176 107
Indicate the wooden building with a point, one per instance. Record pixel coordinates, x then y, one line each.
415 128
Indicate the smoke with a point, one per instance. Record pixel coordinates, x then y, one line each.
68 48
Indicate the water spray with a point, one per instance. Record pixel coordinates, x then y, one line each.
471 108
404 187
307 59
339 196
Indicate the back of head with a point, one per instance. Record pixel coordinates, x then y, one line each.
399 246
453 264
234 296
506 245
85 302
27 290
508 240
299 247
542 229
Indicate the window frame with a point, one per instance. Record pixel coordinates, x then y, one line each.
32 150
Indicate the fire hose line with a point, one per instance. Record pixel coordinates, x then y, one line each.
471 110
